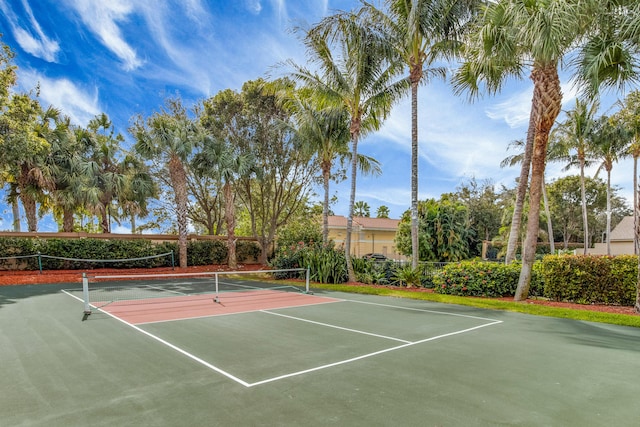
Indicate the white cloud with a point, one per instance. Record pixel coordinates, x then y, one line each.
72 100
32 40
103 18
254 6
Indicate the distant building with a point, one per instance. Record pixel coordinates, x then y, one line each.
369 235
621 239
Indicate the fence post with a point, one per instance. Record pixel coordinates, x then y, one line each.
40 262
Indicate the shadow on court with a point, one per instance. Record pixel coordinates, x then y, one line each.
359 361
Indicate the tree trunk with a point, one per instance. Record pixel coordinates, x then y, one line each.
178 178
15 209
547 99
230 216
414 173
30 212
609 211
636 207
547 212
523 182
67 220
583 195
355 133
325 203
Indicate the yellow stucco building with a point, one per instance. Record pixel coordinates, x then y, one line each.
369 235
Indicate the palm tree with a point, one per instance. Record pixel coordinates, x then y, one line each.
574 133
382 212
356 76
629 115
517 35
325 132
421 32
609 145
362 209
553 153
222 160
169 137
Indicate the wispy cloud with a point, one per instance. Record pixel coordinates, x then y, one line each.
77 103
253 6
32 40
103 19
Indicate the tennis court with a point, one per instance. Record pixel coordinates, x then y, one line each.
179 351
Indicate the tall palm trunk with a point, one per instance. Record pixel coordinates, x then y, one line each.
230 218
523 181
583 195
178 178
547 212
326 174
547 99
355 134
636 207
608 210
67 220
415 79
15 209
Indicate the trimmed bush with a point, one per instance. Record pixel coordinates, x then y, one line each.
482 279
591 279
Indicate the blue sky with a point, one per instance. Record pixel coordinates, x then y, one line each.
124 57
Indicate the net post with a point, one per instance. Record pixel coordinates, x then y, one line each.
217 297
85 294
307 281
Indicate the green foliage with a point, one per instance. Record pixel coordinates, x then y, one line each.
483 279
326 264
591 279
246 251
307 231
443 228
206 252
407 276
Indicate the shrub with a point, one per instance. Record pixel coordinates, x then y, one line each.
591 279
483 279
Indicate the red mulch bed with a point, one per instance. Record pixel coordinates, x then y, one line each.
8 278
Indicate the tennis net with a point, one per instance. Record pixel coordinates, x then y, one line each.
101 290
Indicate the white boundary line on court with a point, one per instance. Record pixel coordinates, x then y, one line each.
317 368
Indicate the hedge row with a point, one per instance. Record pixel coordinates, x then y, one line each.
17 253
483 279
579 279
591 279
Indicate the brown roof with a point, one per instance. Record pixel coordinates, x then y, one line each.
624 229
339 221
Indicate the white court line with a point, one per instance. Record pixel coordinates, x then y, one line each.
424 310
233 313
364 356
172 346
317 368
328 325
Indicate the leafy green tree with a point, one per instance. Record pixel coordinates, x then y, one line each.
361 208
168 138
421 32
444 231
255 121
609 145
629 116
574 134
515 35
485 213
355 75
382 212
220 158
24 151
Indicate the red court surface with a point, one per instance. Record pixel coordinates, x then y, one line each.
191 306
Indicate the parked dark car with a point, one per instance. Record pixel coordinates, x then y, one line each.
375 257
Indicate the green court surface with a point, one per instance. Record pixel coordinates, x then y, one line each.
355 360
